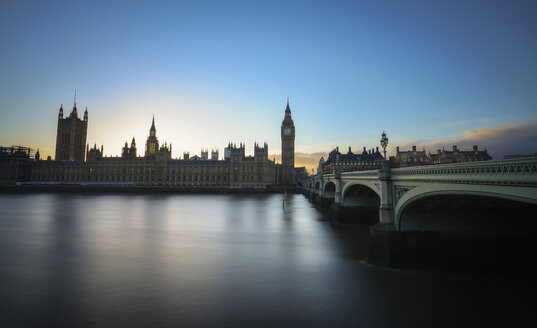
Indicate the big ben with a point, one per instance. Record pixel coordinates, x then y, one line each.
288 148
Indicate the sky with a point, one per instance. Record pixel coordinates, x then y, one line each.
429 73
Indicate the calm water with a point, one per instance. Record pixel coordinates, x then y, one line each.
221 261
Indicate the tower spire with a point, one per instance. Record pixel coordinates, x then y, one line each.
288 109
152 130
74 106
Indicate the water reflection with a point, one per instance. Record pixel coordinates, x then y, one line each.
219 260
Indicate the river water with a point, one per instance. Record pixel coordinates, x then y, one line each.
233 260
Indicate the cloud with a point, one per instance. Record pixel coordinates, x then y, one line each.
500 140
309 160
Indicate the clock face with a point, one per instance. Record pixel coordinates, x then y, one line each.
287 131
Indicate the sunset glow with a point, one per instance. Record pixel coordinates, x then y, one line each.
212 73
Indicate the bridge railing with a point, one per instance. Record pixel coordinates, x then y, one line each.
514 171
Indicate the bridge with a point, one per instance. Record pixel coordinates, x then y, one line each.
394 190
491 207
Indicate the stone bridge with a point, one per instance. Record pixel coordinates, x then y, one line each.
392 191
462 216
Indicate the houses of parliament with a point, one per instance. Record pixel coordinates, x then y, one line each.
78 163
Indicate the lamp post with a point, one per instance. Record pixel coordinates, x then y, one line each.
384 143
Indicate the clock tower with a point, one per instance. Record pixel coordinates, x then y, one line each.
151 145
288 148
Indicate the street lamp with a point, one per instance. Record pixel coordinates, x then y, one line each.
384 143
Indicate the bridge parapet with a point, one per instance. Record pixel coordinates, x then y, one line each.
370 174
522 172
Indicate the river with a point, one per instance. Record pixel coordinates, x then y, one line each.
231 260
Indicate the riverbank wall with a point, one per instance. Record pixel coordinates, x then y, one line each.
140 189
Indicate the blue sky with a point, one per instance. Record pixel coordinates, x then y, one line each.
218 71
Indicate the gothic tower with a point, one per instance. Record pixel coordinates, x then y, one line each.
71 136
151 145
288 148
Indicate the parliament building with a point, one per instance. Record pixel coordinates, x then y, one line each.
78 164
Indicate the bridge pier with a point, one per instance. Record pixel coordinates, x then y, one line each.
382 248
386 213
311 195
335 207
337 194
308 192
318 193
324 203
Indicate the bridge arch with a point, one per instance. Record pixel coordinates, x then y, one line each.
369 184
329 187
327 194
511 193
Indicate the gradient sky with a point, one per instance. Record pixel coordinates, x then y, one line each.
219 71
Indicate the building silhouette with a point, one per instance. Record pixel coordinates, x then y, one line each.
157 167
71 135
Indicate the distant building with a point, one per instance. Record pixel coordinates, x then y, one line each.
367 160
410 158
71 135
301 174
416 157
459 156
17 152
16 164
373 159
